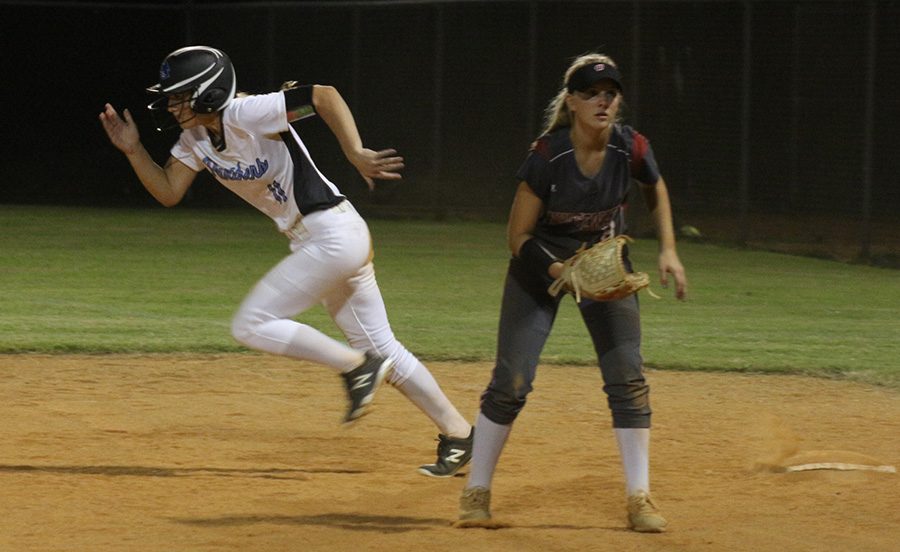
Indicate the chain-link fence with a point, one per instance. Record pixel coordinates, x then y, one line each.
773 121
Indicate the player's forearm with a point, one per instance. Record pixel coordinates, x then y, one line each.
523 218
332 108
661 211
153 177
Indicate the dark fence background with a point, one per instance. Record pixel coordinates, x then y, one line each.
774 122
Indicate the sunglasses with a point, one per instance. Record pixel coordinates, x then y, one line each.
608 96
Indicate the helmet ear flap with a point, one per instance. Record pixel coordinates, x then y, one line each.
211 100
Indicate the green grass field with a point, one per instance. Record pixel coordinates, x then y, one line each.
77 280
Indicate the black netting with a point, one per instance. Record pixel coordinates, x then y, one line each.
459 88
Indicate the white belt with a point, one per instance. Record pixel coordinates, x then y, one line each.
299 232
342 207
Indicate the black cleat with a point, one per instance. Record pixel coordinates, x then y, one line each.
452 455
363 381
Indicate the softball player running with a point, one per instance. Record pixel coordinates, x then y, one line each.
248 144
572 189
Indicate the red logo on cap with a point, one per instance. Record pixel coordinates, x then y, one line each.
599 67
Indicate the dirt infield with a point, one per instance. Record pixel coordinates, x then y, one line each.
245 452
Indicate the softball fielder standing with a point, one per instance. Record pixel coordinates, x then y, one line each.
248 144
572 190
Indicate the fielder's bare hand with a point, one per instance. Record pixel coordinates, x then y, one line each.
122 132
381 165
669 263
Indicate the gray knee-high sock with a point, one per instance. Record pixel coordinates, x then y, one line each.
490 438
634 447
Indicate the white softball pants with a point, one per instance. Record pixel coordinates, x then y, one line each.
330 264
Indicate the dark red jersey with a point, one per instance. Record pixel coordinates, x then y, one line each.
580 209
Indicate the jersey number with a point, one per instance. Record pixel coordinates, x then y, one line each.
277 192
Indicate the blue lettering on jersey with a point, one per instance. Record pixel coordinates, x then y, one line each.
250 172
277 191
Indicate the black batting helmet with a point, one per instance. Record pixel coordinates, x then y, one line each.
206 71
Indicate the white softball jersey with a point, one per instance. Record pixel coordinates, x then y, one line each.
261 159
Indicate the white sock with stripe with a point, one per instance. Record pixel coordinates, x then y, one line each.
302 342
423 391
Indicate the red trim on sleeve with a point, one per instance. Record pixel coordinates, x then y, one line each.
638 151
541 146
